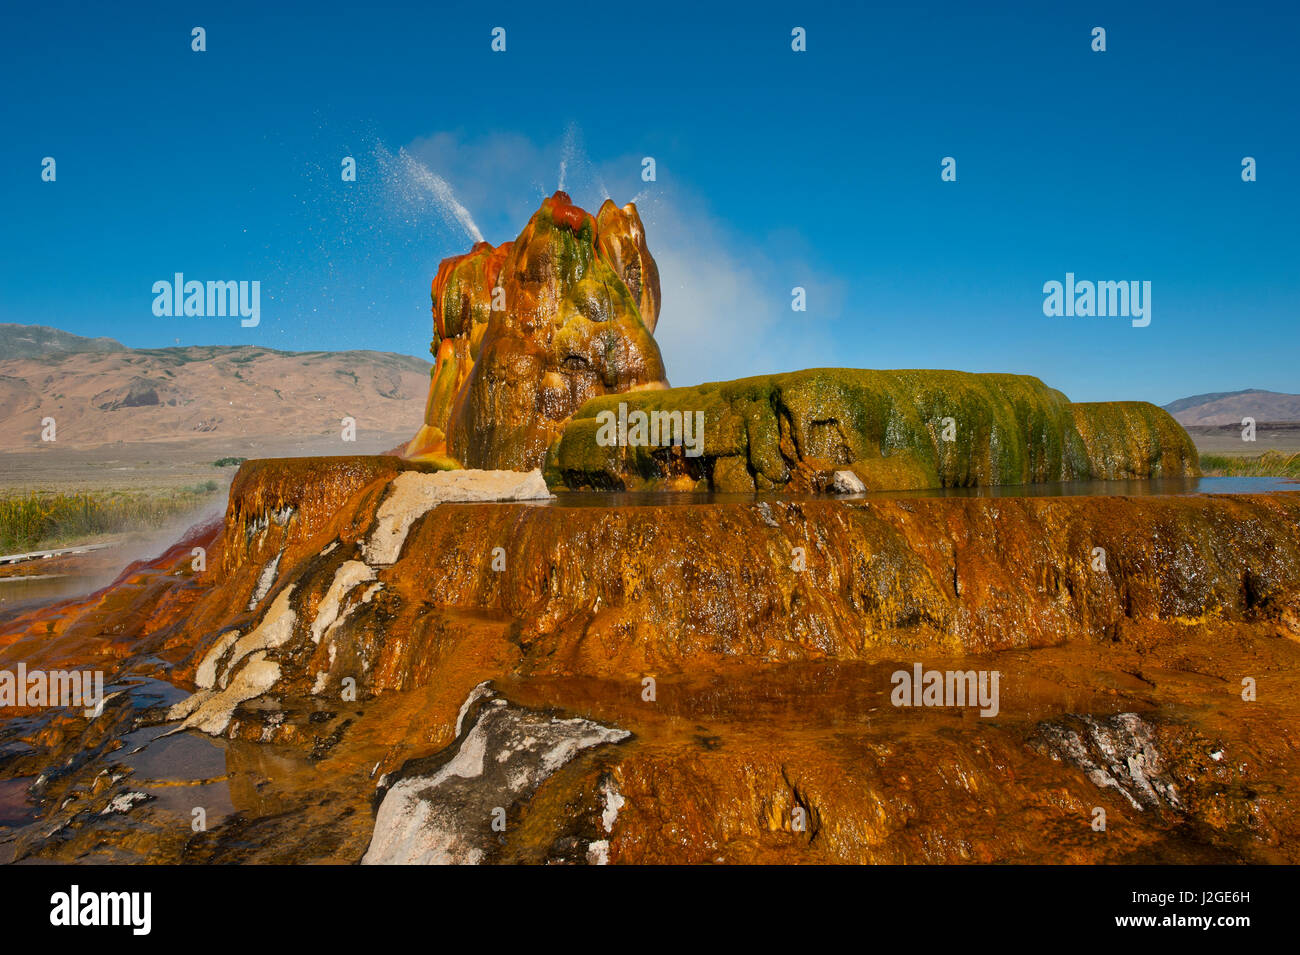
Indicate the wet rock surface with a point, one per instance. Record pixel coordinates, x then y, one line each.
450 808
526 332
1117 751
768 632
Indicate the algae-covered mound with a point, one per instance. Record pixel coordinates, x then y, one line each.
1120 435
894 429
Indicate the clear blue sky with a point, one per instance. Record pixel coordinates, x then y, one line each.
775 169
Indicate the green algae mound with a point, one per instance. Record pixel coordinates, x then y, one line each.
894 429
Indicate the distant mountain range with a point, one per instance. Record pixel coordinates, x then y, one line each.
37 341
101 392
1229 407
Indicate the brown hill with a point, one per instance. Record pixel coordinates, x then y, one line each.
40 341
240 394
1229 407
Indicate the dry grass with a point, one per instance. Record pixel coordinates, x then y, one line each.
42 519
1268 464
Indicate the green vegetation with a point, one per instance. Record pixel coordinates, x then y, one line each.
228 462
1121 435
895 429
41 519
1268 464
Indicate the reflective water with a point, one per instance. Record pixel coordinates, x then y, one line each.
1133 488
16 808
19 593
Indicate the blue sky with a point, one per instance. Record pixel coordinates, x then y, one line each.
775 169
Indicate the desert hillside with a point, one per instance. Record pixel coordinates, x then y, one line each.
38 341
101 393
1229 407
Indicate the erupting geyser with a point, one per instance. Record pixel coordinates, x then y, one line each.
535 339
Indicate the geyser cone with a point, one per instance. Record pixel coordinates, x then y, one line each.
527 332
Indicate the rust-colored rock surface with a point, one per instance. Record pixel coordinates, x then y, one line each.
689 681
462 294
623 245
526 332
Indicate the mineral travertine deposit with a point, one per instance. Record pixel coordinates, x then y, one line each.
768 631
535 338
894 430
526 332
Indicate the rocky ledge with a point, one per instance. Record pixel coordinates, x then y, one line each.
392 663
